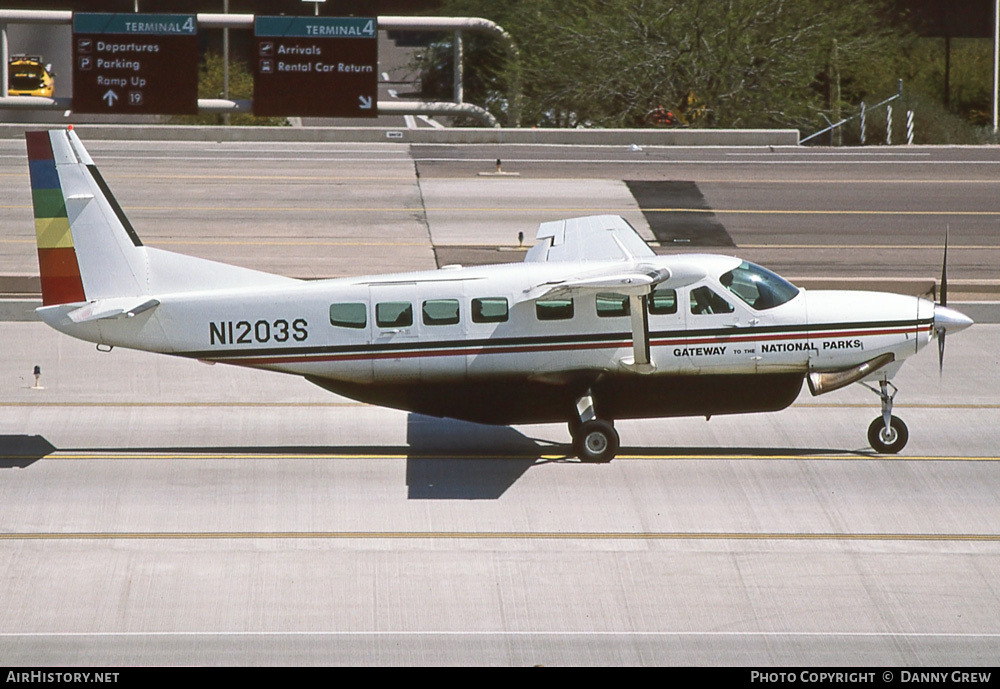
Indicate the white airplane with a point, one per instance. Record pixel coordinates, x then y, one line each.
590 328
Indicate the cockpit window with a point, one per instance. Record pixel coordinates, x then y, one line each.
758 287
704 301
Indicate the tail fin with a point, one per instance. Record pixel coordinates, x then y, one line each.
87 249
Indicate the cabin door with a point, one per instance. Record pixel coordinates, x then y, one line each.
721 332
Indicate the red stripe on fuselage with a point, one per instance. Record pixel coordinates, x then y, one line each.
517 349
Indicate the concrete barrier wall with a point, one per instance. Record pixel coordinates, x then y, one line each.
594 137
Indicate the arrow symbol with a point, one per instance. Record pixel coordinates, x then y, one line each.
366 102
111 97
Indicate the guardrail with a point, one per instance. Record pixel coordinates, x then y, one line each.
863 113
456 25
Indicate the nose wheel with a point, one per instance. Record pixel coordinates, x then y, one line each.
887 434
888 440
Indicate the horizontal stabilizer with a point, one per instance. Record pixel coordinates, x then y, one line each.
124 307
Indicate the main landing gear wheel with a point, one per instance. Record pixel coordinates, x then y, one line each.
596 441
574 424
888 440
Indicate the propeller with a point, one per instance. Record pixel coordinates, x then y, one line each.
941 331
946 319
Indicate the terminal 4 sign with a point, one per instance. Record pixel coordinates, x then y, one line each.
135 64
315 66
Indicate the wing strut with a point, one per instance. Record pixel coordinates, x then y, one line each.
640 361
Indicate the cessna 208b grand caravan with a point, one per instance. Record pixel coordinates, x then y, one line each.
591 327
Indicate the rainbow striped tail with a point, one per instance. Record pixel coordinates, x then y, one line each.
57 262
87 250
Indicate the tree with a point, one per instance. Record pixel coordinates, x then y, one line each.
752 63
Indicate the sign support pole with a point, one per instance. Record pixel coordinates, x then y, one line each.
996 61
225 62
5 64
459 72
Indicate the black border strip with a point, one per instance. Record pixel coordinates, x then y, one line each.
96 174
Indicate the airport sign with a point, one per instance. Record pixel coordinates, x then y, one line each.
135 64
316 66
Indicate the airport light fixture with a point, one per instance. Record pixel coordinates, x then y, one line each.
315 5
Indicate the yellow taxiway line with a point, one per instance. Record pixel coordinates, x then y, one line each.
180 454
494 535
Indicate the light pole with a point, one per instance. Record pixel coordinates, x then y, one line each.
996 60
225 62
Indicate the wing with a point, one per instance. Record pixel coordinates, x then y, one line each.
625 268
592 238
633 280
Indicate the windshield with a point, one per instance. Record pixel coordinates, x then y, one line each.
26 77
758 287
24 82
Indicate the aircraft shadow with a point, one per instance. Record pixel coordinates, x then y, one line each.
467 472
445 459
20 451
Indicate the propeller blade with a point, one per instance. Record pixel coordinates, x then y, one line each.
941 334
944 270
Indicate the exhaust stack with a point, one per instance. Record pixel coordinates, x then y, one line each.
820 383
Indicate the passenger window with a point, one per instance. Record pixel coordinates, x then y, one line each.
612 304
662 302
489 310
349 315
394 314
440 312
705 301
554 309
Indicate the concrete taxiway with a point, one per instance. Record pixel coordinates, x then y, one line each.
161 511
332 209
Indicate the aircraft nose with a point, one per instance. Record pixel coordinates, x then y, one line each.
950 320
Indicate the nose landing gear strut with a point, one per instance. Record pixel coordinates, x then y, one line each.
887 434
